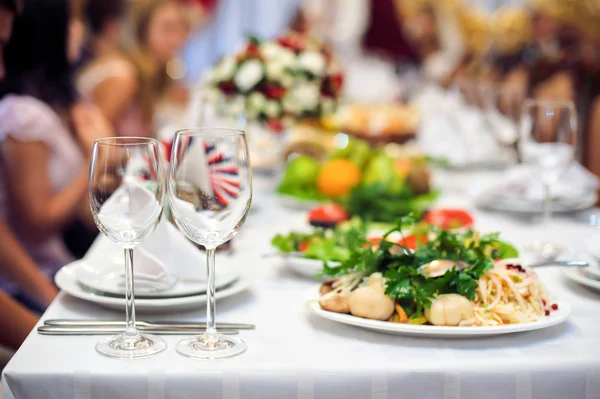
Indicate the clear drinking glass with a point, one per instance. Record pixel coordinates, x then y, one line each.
548 143
126 191
210 192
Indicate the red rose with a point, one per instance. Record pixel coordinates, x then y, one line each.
275 92
227 88
275 125
293 42
252 50
337 81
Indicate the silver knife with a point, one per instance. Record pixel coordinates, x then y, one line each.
56 330
144 324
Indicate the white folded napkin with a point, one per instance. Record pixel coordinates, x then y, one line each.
453 130
521 182
165 256
370 80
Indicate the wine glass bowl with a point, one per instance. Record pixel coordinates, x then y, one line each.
548 144
210 193
209 189
126 194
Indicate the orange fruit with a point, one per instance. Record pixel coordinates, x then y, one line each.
403 166
338 177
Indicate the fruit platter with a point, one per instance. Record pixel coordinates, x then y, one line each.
377 184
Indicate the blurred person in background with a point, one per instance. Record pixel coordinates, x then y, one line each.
16 321
104 20
127 85
45 137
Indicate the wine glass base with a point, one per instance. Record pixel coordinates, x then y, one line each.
127 347
218 347
545 250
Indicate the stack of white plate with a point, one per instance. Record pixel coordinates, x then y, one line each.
169 273
589 277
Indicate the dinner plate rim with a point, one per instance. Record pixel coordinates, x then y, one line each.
66 280
558 317
575 276
524 207
199 290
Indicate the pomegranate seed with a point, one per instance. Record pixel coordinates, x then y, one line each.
554 307
518 268
547 313
544 302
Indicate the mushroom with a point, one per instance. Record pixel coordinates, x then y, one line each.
370 301
335 303
326 287
449 310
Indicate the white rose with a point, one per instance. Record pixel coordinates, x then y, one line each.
313 62
287 58
226 69
272 109
256 101
306 95
252 113
275 70
248 75
213 96
286 80
290 104
270 50
236 106
211 76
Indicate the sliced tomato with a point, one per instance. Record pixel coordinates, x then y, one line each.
328 214
409 241
449 219
303 246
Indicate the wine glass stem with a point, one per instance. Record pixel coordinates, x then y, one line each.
547 218
130 329
211 330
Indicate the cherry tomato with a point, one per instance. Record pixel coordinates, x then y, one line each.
409 241
412 240
303 246
449 219
327 215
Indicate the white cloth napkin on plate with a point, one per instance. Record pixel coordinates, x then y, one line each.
521 182
453 130
164 256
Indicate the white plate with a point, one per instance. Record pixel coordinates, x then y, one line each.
522 205
66 280
104 276
306 267
579 276
592 245
557 317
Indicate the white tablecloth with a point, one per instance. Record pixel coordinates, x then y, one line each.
293 354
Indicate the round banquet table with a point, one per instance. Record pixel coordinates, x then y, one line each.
293 354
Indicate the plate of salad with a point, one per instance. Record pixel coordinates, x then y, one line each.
305 252
481 289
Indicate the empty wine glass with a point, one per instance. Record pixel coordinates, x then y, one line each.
548 143
210 191
126 191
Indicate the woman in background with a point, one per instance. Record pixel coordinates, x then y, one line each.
104 20
45 138
127 86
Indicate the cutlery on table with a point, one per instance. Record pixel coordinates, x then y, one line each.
144 324
58 330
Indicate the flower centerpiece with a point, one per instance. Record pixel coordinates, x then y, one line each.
277 82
